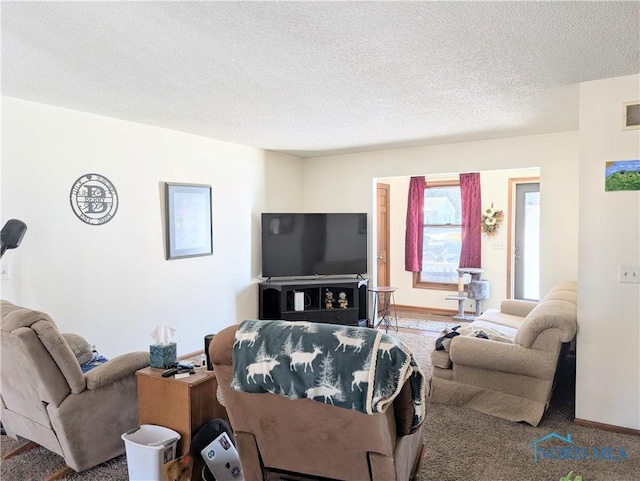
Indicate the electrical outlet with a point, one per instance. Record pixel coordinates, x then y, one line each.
629 274
4 273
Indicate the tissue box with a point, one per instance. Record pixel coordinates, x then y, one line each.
163 355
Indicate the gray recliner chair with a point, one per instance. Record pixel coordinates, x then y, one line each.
48 400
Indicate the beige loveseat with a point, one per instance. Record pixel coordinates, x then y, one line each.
509 379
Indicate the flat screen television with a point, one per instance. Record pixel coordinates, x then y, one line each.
313 244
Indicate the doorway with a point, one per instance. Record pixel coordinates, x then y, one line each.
525 264
382 234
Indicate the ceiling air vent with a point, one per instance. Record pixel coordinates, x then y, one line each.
631 117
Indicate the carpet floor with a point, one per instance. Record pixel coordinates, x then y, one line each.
425 325
461 444
421 345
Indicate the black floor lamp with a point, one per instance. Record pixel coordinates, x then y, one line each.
12 234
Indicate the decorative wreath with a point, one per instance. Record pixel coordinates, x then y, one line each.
491 220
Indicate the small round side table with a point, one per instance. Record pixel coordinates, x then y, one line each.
383 303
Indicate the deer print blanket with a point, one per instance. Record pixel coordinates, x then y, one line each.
351 367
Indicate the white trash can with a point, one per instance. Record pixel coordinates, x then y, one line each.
148 447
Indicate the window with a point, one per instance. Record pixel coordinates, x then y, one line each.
442 241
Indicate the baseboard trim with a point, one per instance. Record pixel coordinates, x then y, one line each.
606 427
425 311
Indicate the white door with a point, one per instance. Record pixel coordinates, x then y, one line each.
526 262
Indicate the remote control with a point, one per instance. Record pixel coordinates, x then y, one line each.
170 372
178 370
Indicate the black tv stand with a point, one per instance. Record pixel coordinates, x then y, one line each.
276 300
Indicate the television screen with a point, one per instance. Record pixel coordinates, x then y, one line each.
313 244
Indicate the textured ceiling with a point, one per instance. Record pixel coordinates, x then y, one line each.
314 78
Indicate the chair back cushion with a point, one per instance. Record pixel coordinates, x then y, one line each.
43 369
355 368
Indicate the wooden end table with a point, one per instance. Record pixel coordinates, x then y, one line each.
183 405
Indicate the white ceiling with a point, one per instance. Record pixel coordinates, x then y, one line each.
315 78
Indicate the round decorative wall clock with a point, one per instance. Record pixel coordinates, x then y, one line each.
94 199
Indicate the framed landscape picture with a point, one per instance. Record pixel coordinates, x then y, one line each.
189 225
622 175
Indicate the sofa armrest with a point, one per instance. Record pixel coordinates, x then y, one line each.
502 356
517 307
440 359
117 368
551 315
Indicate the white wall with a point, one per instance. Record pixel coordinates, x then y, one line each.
608 345
111 283
494 188
283 193
346 183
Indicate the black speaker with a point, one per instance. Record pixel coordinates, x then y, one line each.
207 340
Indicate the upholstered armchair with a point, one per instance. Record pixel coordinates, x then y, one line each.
47 399
281 438
513 377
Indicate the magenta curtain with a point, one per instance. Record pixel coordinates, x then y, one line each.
415 226
471 216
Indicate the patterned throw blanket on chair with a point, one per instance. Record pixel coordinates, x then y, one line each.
351 367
